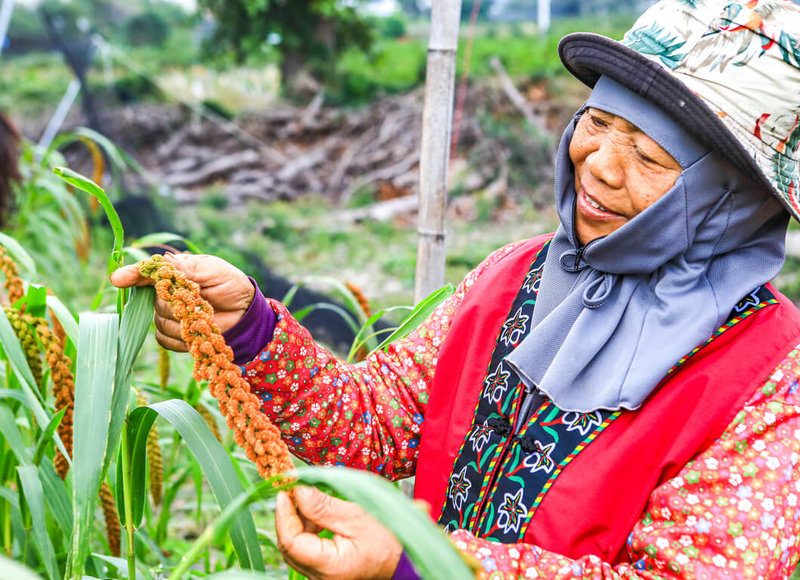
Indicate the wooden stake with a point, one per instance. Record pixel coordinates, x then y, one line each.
435 153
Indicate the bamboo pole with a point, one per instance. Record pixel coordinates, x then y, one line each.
435 153
543 16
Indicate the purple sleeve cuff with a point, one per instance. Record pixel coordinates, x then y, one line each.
253 332
405 571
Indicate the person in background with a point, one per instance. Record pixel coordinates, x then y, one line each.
618 399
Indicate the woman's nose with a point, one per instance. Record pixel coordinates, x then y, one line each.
605 163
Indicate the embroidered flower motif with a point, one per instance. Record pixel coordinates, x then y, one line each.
582 422
459 488
514 328
533 280
540 459
512 512
496 385
479 437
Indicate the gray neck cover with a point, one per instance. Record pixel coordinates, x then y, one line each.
612 319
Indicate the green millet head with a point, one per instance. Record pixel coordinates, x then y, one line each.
149 266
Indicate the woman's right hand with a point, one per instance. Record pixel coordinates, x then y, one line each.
225 287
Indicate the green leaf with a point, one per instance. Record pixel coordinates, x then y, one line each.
160 238
419 314
13 394
18 253
433 555
10 431
55 492
97 360
77 180
47 436
11 569
65 317
243 575
36 300
359 339
354 308
12 498
34 498
136 320
213 532
19 364
139 425
114 153
346 316
218 470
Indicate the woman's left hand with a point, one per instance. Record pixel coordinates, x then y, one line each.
361 547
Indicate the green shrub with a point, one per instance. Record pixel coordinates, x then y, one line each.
147 28
394 26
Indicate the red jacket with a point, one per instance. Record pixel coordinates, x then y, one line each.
602 487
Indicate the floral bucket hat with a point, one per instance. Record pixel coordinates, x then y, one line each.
728 71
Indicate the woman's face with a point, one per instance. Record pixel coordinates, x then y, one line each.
619 172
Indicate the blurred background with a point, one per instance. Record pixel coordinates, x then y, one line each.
284 135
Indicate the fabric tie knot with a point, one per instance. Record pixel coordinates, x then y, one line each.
572 260
597 291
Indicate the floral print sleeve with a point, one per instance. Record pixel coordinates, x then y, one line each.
731 513
367 415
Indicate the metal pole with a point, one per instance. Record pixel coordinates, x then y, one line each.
435 153
61 113
5 17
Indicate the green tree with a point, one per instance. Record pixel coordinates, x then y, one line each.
483 10
307 33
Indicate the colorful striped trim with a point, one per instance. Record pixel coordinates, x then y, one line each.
490 470
722 329
564 462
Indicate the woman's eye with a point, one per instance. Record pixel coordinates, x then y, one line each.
644 156
597 121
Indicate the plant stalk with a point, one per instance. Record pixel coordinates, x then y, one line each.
126 492
200 544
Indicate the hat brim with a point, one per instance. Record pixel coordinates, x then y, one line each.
587 56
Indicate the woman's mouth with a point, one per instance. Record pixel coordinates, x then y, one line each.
592 208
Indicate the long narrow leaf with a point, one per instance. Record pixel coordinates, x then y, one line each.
16 514
19 364
20 255
13 394
359 339
136 319
346 316
47 436
113 151
65 318
55 491
11 569
34 498
139 425
218 470
433 555
237 505
97 360
242 575
90 187
419 314
160 238
10 431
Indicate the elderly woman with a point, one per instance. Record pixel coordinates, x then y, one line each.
618 399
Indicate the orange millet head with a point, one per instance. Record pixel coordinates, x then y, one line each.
213 363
